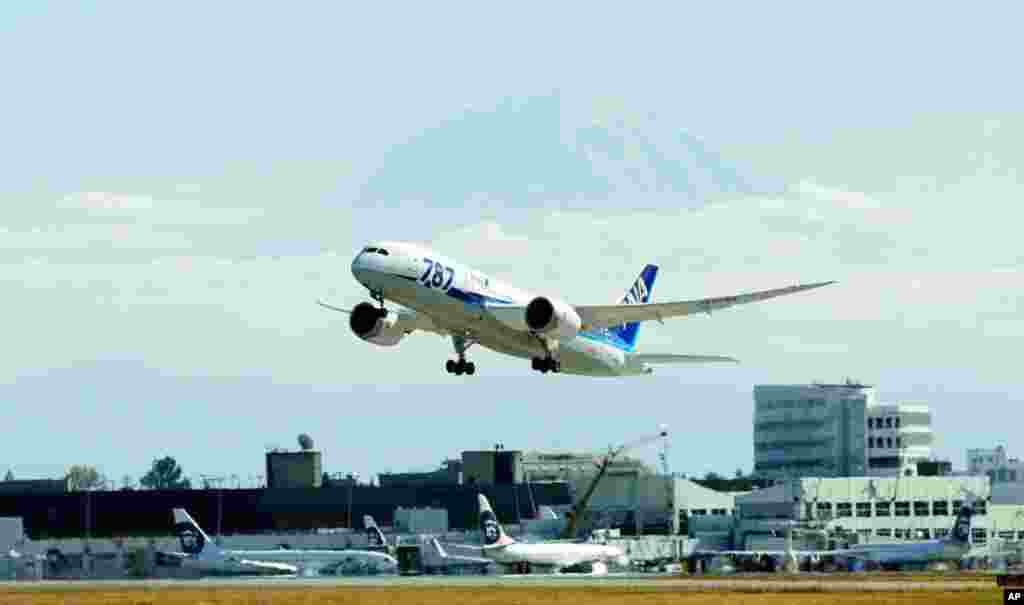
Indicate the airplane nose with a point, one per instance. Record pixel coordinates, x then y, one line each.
359 268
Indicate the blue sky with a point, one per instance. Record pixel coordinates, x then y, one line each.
181 182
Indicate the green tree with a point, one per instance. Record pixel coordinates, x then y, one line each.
82 477
165 474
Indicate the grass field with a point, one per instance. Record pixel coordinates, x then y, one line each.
442 595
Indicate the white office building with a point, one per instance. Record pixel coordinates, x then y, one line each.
899 436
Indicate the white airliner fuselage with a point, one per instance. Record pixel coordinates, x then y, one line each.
444 296
554 556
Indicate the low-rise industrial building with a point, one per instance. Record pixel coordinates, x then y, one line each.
877 509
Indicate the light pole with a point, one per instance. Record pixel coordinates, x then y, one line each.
351 485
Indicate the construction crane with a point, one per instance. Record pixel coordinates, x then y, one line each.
602 467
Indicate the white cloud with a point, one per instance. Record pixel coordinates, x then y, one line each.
933 290
183 211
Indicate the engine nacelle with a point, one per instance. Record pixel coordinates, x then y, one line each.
552 318
383 328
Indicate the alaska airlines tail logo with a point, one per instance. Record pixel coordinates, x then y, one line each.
962 529
191 539
374 536
489 527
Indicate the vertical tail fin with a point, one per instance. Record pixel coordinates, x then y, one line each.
374 536
493 534
961 533
192 538
638 293
438 548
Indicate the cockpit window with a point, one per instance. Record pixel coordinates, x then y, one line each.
382 251
370 250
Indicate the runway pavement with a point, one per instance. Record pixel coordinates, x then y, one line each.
641 582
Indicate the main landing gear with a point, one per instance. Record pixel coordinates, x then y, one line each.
548 363
461 366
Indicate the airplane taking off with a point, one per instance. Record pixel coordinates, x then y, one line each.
451 299
199 551
556 556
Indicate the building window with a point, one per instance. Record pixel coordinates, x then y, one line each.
920 508
871 442
844 509
940 508
980 507
888 423
1020 534
863 509
899 533
902 509
897 442
882 509
957 505
941 532
897 422
718 511
883 533
699 511
980 535
1006 535
1013 475
824 509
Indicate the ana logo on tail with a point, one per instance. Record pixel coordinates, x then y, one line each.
637 294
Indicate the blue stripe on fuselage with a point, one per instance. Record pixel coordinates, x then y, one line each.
475 298
607 338
481 300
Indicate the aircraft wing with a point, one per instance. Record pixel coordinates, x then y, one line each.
669 358
606 316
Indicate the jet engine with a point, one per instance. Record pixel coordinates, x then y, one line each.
552 318
381 327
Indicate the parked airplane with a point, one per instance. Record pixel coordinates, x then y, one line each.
889 555
558 557
451 299
199 551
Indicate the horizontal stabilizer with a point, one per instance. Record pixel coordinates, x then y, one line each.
669 358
